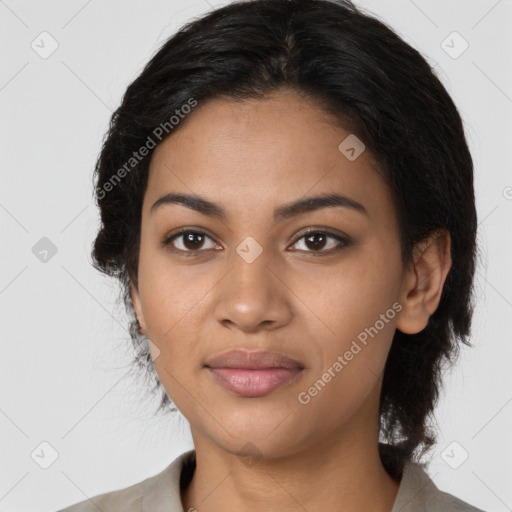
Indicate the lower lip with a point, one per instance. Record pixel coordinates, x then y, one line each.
253 383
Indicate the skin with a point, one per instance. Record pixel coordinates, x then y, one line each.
252 157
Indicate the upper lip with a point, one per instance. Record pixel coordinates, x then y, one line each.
251 360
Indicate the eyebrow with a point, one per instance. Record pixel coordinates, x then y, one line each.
308 204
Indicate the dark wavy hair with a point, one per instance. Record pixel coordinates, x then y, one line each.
358 69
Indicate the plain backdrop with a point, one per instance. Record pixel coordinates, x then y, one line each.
65 347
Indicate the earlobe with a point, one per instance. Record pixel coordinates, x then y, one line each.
423 282
134 294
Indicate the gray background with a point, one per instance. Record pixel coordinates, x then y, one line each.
65 349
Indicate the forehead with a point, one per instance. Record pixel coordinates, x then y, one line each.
253 152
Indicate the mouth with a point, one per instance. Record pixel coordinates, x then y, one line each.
253 374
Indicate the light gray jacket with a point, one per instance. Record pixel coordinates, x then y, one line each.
161 493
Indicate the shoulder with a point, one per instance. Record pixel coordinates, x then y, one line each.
446 501
418 493
154 493
128 499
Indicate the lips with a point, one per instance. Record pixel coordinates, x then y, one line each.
252 374
252 360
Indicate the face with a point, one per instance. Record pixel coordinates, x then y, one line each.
320 285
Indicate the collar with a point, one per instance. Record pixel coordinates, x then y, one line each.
417 492
162 492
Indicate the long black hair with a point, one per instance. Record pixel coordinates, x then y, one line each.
357 68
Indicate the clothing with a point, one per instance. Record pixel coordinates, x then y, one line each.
161 493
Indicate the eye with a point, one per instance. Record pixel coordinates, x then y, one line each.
317 241
314 241
187 241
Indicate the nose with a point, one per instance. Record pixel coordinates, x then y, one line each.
253 296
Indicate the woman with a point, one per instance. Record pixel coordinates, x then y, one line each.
286 197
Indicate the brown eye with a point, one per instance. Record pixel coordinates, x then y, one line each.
188 241
316 241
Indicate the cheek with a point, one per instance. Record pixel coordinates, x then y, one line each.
356 296
360 308
353 360
175 307
173 318
170 295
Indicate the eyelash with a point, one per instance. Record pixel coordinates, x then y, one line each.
166 243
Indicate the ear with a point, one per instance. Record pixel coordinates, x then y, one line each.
423 282
134 294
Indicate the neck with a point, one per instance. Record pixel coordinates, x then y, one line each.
332 474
